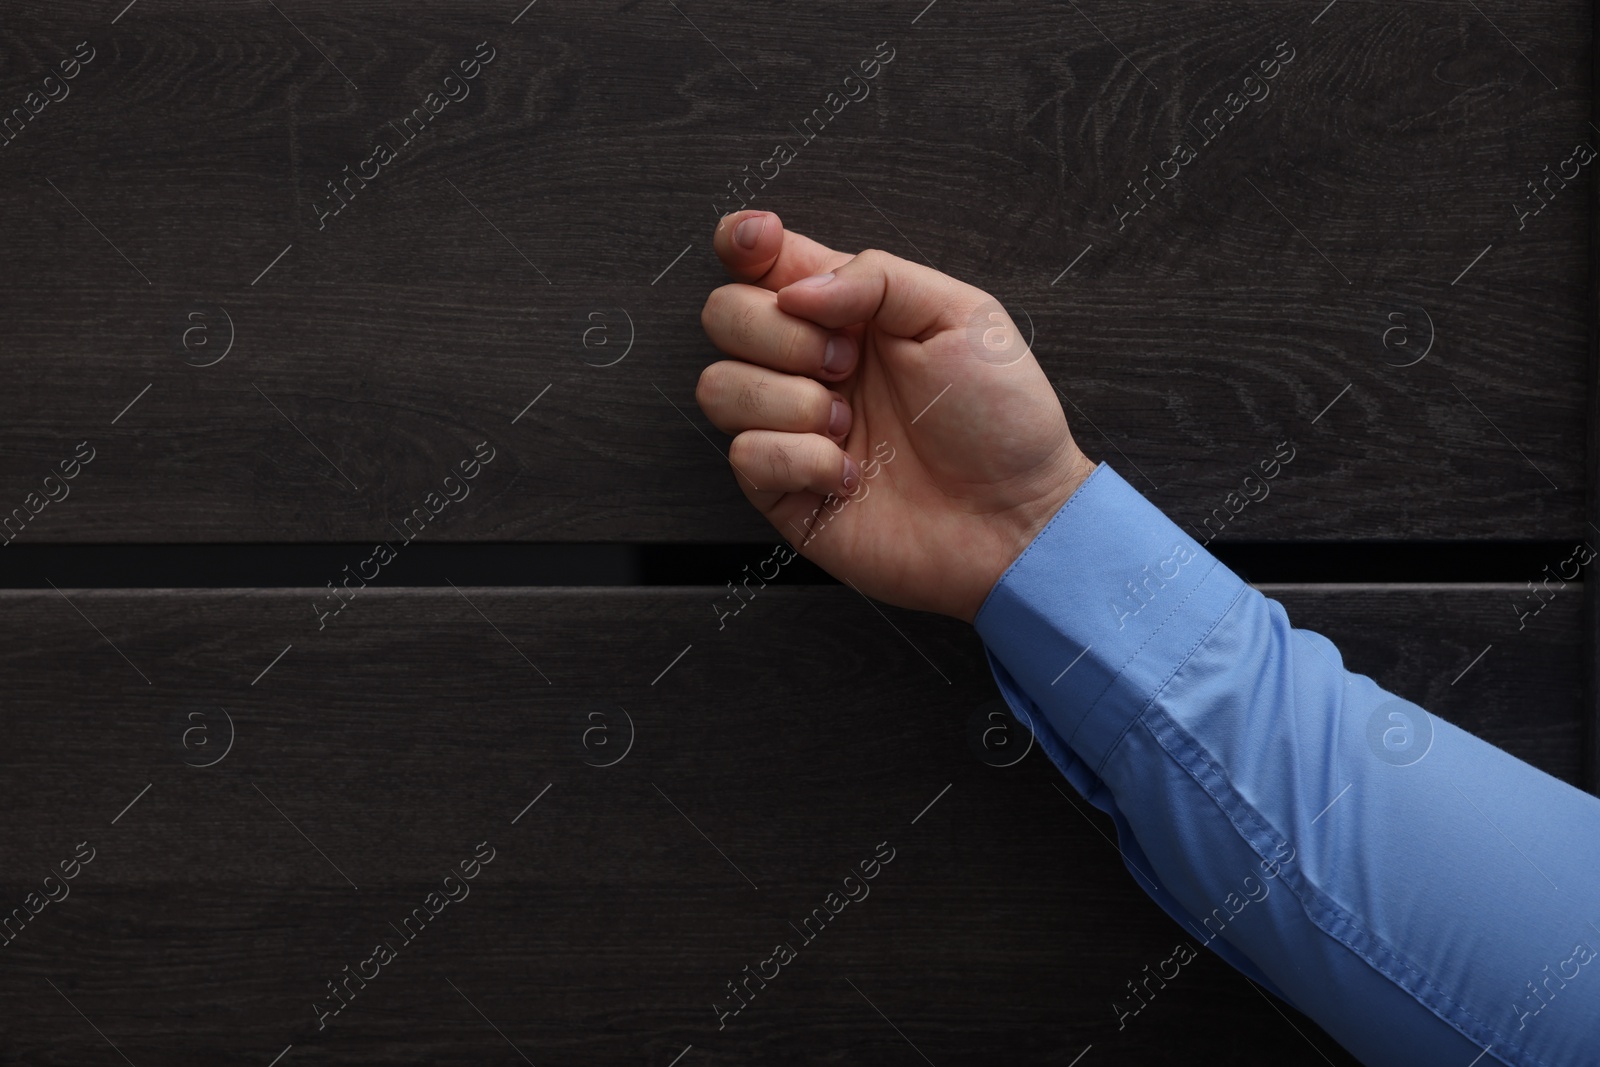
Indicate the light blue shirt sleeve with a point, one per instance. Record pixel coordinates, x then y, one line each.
1426 897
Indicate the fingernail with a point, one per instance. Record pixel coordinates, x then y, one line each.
816 280
839 418
852 473
748 232
838 355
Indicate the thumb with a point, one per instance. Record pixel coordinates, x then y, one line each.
900 297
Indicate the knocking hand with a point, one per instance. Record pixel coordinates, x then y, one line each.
835 353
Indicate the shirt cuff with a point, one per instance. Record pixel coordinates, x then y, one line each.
1099 611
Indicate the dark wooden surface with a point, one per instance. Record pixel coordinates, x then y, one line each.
796 740
1263 296
1225 318
1591 593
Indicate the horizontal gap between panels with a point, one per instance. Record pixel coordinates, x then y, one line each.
232 566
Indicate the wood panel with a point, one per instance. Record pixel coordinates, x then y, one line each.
1591 619
269 786
768 757
1263 295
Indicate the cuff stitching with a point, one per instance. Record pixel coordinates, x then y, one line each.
1116 677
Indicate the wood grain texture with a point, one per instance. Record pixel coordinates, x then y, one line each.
1591 620
1262 296
1254 291
770 757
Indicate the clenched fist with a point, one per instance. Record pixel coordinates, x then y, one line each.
888 419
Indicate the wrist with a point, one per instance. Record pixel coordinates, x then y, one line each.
1022 524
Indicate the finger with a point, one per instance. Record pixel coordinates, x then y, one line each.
774 463
741 396
903 298
745 322
754 247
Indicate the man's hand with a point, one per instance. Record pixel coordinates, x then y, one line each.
834 354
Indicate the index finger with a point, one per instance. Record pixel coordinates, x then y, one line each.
773 257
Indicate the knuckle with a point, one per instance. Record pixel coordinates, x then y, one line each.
750 399
746 324
783 458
